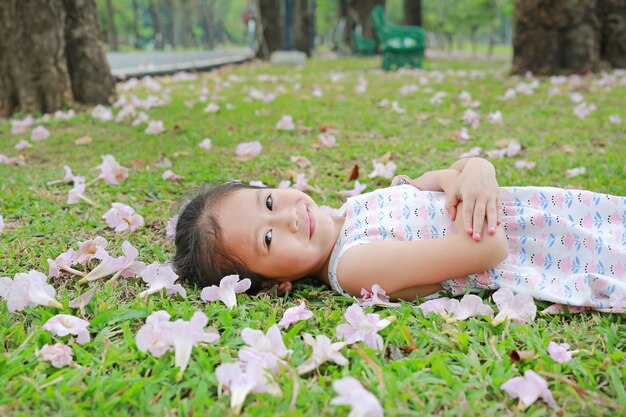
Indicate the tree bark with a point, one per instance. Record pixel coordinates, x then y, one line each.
33 70
555 37
89 70
111 31
186 24
206 21
269 27
172 22
302 27
412 12
137 40
360 10
612 15
157 24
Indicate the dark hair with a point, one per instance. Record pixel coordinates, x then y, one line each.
201 258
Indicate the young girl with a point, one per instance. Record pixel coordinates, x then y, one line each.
563 246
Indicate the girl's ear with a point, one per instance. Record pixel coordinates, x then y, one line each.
283 287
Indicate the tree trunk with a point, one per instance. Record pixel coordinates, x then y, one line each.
186 32
206 21
157 24
361 10
89 70
33 70
412 12
136 42
172 22
111 31
555 37
51 55
269 27
302 27
612 15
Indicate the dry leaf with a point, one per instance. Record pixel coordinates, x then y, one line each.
354 173
503 143
82 300
521 355
83 140
385 158
178 154
422 117
137 163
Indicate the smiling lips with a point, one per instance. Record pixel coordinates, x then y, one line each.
311 223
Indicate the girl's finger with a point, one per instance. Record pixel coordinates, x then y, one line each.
499 210
492 217
479 219
451 202
468 215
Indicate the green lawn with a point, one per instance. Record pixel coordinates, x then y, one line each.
445 370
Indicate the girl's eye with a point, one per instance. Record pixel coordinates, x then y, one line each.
268 238
269 203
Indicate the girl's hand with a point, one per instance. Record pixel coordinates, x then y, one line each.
478 189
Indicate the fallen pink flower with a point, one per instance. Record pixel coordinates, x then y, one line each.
396 107
21 145
357 190
295 314
170 229
240 379
160 277
469 306
362 328
475 151
101 112
521 164
323 351
39 133
518 308
352 393
583 110
301 161
108 265
212 108
155 127
122 217
574 172
377 296
284 184
20 127
229 285
495 117
248 150
528 389
1 224
130 268
205 144
559 352
557 308
267 350
153 336
438 305
87 249
615 119
69 177
383 170
111 171
77 193
302 184
63 262
327 140
285 123
472 118
140 119
258 184
64 324
59 355
170 175
27 290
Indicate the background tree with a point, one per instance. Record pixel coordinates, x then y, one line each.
565 36
112 32
157 24
269 24
51 55
303 26
412 11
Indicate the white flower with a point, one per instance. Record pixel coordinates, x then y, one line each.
323 351
229 285
352 393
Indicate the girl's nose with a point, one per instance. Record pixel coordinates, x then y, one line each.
288 219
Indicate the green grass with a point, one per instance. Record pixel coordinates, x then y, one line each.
454 370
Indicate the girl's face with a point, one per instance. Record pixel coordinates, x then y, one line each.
279 233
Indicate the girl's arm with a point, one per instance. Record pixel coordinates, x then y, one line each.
400 267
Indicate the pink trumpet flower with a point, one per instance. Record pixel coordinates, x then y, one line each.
20 127
229 286
362 328
438 305
130 268
518 308
1 224
470 306
170 229
63 262
87 249
268 349
377 296
59 355
27 290
108 265
39 133
357 190
111 171
528 389
352 393
159 335
64 324
295 314
122 217
383 170
158 277
69 177
559 352
240 379
323 351
77 193
248 150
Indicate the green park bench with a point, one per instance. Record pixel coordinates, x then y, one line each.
363 46
399 45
